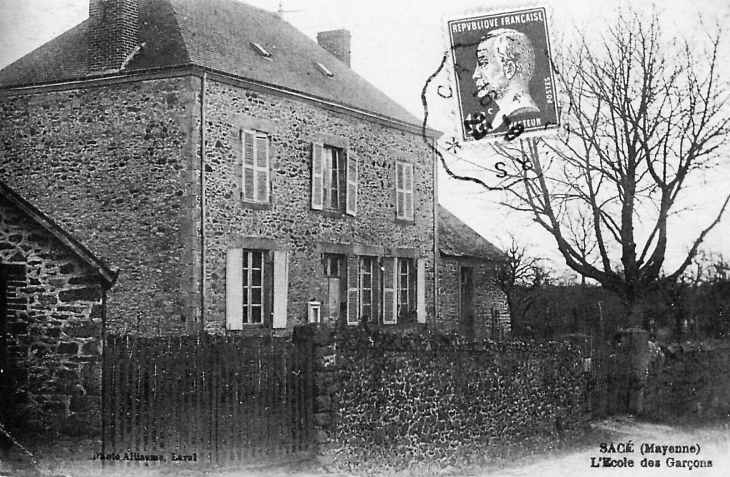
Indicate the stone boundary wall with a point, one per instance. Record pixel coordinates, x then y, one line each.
689 383
386 400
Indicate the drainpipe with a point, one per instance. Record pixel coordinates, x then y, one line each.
104 354
436 256
202 201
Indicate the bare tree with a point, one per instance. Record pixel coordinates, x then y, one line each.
644 116
520 273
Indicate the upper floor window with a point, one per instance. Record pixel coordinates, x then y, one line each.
333 174
255 180
334 179
404 190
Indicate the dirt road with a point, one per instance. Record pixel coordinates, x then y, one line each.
711 447
711 458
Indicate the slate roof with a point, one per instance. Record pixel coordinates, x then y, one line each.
459 240
215 35
9 196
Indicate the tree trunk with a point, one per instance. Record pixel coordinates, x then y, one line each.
637 318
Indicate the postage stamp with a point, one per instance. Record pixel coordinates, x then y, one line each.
504 81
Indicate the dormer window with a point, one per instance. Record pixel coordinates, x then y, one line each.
260 50
325 71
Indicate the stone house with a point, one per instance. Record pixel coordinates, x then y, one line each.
236 177
470 301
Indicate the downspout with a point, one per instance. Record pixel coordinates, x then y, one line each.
436 256
202 202
104 354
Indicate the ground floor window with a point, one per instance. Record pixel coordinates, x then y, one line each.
256 288
406 289
367 288
253 286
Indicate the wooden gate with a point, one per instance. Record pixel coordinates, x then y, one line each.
206 399
610 380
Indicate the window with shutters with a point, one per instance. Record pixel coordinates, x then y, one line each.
404 185
255 176
334 179
257 285
404 290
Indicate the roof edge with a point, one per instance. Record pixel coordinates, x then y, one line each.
109 275
193 68
473 257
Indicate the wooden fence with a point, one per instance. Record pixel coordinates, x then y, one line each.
206 399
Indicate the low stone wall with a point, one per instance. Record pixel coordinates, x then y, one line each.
398 401
690 383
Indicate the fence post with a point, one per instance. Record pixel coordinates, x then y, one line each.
326 412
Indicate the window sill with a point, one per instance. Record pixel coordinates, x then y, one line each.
333 214
400 221
252 330
255 206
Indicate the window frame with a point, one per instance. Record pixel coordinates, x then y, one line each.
322 182
255 168
362 272
328 272
248 288
329 153
406 191
409 288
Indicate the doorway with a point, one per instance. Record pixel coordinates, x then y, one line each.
467 303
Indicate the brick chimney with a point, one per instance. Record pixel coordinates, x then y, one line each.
113 34
336 42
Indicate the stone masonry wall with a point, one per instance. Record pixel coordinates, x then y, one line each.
487 297
422 402
52 371
689 383
113 165
290 221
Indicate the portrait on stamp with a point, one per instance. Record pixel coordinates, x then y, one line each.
503 73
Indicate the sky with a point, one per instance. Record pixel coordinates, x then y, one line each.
396 46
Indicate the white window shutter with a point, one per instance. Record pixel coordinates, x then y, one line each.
398 189
234 289
408 176
421 290
281 288
248 170
317 177
353 289
351 193
390 299
262 168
